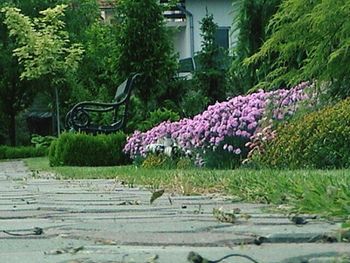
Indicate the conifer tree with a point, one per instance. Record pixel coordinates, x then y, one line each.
144 47
211 73
315 37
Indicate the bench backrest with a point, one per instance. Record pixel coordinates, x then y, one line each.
124 89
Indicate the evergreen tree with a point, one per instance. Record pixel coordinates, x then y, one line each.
251 23
144 47
211 72
315 36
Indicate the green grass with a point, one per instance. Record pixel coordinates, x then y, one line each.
325 192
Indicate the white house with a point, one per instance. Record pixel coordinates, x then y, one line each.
185 20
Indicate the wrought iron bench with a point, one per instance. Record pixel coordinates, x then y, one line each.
81 117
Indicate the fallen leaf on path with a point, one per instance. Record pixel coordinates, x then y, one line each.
223 216
70 250
156 195
245 216
137 202
298 220
237 210
153 259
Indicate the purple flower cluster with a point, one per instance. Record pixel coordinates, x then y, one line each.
237 117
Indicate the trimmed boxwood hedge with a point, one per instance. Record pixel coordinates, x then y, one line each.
78 149
8 152
317 140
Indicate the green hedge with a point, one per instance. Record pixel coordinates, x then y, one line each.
7 152
317 140
78 149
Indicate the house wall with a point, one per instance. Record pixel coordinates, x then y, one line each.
223 14
222 11
181 41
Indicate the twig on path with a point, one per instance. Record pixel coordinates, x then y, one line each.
194 257
37 231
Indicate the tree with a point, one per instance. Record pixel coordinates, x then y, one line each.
79 16
315 36
100 43
95 79
15 95
145 47
211 75
251 24
43 47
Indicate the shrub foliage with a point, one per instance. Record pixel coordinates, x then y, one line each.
77 149
7 152
320 139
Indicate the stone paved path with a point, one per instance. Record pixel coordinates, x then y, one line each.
102 221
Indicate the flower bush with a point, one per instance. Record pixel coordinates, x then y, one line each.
225 126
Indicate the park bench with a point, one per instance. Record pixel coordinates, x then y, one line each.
85 116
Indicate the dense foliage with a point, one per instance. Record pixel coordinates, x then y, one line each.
7 152
15 95
210 76
84 25
78 149
144 46
320 140
43 47
310 41
42 141
225 126
100 44
251 24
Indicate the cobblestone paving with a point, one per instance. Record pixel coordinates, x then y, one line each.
102 221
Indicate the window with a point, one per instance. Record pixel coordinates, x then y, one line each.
174 14
222 37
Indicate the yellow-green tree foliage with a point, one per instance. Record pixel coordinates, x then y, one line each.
43 47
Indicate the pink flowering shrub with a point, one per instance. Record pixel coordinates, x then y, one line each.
224 127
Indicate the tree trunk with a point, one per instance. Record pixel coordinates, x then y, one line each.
12 129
